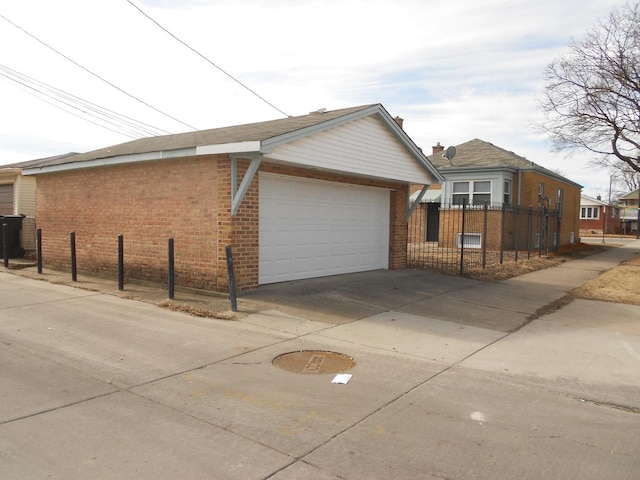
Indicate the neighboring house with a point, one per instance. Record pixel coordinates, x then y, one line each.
18 198
482 174
300 197
629 212
598 217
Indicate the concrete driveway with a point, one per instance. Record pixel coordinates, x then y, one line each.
453 379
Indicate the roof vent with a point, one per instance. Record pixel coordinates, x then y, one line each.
320 111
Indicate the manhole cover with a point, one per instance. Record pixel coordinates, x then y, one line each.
314 361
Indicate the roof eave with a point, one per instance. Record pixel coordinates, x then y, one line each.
454 169
115 160
8 171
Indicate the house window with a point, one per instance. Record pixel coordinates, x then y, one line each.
460 193
6 199
481 193
471 193
589 213
506 194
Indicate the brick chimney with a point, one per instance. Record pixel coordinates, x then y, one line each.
399 121
437 148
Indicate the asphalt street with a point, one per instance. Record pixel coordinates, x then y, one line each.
453 379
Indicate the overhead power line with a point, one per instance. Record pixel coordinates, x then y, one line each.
95 74
206 59
89 111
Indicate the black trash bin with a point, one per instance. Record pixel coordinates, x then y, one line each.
14 225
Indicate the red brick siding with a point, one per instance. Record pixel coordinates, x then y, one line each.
147 203
608 220
241 231
417 224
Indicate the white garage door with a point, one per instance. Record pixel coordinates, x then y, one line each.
311 228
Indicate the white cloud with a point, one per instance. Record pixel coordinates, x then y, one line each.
454 70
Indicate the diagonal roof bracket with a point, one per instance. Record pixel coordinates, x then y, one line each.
411 208
237 194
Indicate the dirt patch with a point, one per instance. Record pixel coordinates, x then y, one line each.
552 307
196 312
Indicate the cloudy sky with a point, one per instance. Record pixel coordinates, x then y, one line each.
454 70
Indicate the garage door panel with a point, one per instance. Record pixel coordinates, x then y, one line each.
312 228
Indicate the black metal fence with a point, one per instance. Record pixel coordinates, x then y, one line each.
460 238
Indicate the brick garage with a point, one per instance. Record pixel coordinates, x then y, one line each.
180 186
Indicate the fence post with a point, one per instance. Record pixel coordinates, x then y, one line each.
120 262
5 244
502 222
171 278
464 207
74 267
39 250
558 226
485 233
517 211
529 231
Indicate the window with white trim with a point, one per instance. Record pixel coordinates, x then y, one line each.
506 194
589 213
471 193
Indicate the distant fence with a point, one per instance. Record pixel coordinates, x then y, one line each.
459 238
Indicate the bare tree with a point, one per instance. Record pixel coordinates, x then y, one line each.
592 95
622 174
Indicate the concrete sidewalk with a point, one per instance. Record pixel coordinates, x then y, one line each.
503 306
452 379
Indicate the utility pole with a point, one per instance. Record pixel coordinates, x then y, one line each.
638 218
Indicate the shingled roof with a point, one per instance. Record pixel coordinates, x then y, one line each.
259 131
479 154
39 161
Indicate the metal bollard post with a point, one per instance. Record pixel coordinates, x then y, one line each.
171 270
232 280
120 262
39 250
74 270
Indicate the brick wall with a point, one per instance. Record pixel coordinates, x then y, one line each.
241 231
147 203
570 221
417 224
187 199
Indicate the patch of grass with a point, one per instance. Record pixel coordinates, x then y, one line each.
497 273
619 285
509 269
